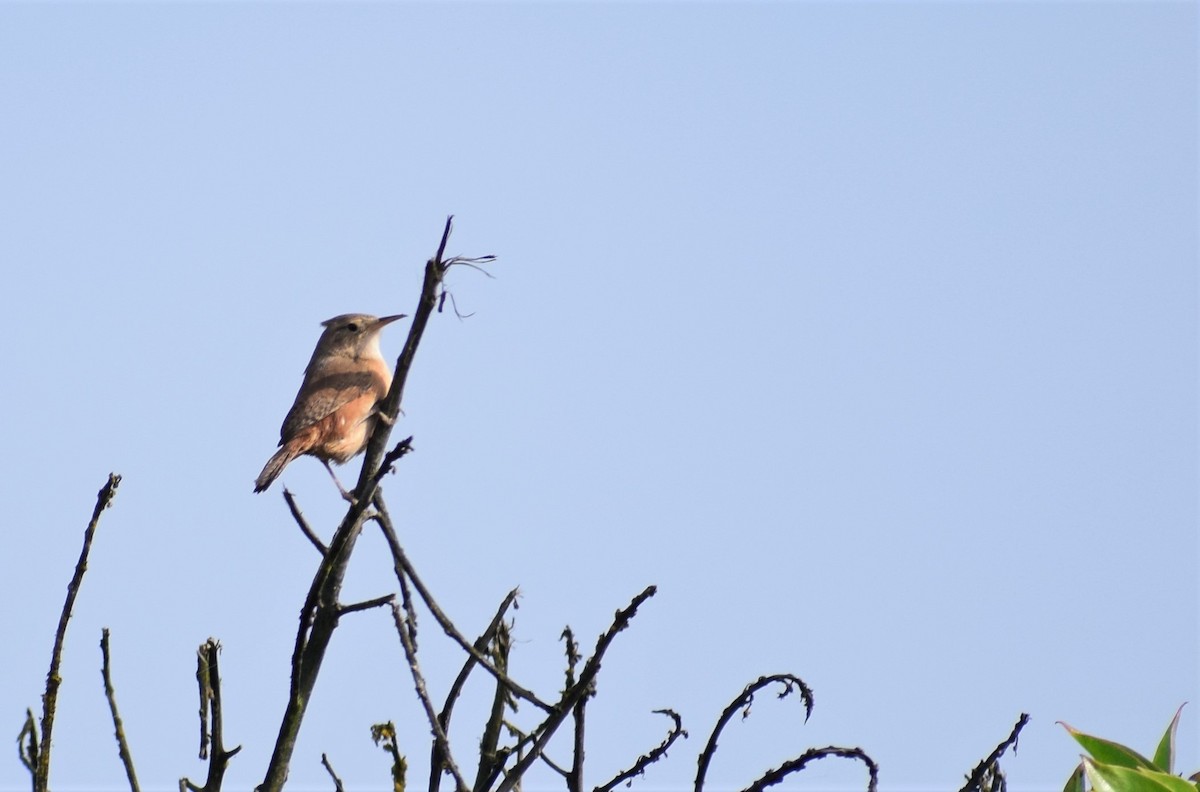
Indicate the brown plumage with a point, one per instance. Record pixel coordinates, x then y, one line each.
337 406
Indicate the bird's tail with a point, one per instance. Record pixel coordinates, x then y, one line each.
275 466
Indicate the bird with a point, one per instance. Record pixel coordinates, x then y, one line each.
337 406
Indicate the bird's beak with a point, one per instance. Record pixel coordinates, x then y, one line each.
386 320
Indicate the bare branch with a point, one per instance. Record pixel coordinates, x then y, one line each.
743 702
578 716
41 776
644 761
208 675
573 695
391 457
553 765
491 759
439 734
305 528
481 643
403 567
110 694
975 780
337 782
574 777
319 615
387 599
811 755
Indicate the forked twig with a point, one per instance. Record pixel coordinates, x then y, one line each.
404 568
481 643
208 677
319 614
571 696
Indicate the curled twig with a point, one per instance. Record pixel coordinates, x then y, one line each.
812 754
647 759
789 682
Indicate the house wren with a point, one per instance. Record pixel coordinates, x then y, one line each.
338 403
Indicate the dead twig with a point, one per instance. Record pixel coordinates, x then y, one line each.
367 604
404 568
119 728
647 759
789 682
481 643
392 457
976 778
39 755
574 694
439 734
319 615
811 755
337 782
305 528
208 677
491 757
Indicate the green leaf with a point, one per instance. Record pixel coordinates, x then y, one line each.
1114 778
1109 752
1164 755
1075 782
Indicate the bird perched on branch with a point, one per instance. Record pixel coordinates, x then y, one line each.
338 403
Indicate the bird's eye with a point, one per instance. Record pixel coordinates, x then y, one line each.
352 327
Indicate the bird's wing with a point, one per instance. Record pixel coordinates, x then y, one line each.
323 396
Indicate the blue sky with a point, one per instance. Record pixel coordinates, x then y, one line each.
868 332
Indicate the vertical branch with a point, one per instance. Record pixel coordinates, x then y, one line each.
575 774
575 777
119 728
384 735
319 616
209 677
41 776
489 759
